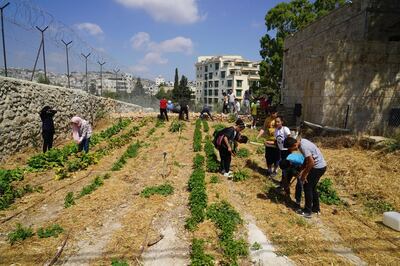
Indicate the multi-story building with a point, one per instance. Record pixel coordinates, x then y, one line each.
159 80
218 74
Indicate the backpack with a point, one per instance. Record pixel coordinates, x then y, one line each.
218 137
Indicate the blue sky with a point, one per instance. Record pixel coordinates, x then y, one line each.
150 37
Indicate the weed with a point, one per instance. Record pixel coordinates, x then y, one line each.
69 200
327 194
116 262
256 246
300 221
377 206
177 164
176 126
198 257
97 182
214 179
130 152
19 234
163 190
53 230
160 123
260 150
243 153
151 132
240 175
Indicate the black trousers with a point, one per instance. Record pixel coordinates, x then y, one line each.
164 111
184 110
225 109
310 190
226 158
208 113
47 140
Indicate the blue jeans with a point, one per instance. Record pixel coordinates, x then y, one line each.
84 145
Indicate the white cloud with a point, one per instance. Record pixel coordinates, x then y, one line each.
91 28
153 58
140 40
176 11
176 45
57 58
139 69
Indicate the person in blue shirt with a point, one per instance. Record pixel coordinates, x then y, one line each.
170 106
293 165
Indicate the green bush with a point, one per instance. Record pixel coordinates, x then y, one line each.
198 161
163 190
327 193
240 175
19 234
52 230
176 126
197 136
8 193
198 257
243 153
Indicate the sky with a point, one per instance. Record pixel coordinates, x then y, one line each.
147 37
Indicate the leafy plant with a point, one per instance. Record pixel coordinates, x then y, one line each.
116 262
96 183
159 123
197 136
211 161
131 152
327 194
198 256
176 126
240 175
256 246
214 179
198 161
69 200
19 234
206 128
227 219
378 206
163 190
151 131
8 193
243 153
52 230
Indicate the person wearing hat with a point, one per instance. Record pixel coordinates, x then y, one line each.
228 140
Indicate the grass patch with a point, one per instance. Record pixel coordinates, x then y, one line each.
19 234
227 220
52 230
377 206
69 200
327 193
176 126
198 257
164 190
214 179
299 221
240 175
116 262
243 153
151 132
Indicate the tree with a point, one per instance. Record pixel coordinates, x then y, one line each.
182 92
138 90
163 94
92 88
285 19
42 79
176 81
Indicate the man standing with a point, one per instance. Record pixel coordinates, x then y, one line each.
314 168
163 108
232 106
184 109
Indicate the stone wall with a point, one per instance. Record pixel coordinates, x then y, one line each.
335 63
21 101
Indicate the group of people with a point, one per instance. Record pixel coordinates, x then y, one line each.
297 158
81 130
168 106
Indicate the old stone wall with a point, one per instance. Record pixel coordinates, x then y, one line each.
21 102
331 65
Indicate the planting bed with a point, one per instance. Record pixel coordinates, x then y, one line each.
154 196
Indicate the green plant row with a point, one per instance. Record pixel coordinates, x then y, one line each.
164 190
197 256
197 136
8 193
97 182
211 157
57 157
21 233
227 219
176 126
130 152
198 193
206 128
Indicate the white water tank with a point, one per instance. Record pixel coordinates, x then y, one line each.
392 220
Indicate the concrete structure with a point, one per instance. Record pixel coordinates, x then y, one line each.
21 101
346 60
218 74
159 80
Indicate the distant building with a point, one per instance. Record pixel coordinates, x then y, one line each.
218 74
159 80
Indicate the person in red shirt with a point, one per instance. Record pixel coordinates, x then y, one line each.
163 108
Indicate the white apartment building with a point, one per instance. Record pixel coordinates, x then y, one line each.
218 74
159 80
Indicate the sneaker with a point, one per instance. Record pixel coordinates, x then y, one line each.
318 213
227 175
299 211
307 215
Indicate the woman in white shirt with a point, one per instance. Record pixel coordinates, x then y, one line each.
281 133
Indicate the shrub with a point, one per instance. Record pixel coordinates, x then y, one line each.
240 175
206 128
327 194
52 230
19 234
163 190
176 126
198 161
243 153
9 193
197 136
198 257
69 200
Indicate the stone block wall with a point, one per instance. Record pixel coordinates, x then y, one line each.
21 102
331 64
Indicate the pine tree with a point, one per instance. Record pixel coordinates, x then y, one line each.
176 82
